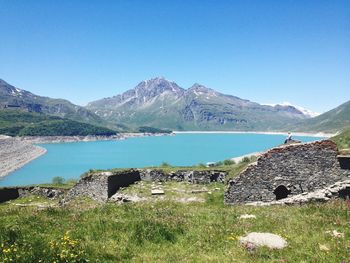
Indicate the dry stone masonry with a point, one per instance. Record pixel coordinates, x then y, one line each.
334 191
101 186
287 171
196 177
11 193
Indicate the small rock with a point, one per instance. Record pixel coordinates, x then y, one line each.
263 239
323 247
246 216
157 192
107 173
335 234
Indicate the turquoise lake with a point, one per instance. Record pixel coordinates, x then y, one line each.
70 160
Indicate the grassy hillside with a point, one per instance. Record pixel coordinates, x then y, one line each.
10 95
21 123
168 231
332 121
343 139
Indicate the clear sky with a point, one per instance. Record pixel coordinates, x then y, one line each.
264 51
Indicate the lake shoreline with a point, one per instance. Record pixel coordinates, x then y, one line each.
124 136
88 138
15 154
319 134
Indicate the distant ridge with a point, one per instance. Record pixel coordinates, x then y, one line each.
12 97
163 104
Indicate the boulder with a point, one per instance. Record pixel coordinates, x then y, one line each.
256 239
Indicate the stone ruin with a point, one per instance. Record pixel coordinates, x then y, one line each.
100 186
292 170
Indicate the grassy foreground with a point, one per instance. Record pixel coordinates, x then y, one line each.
169 231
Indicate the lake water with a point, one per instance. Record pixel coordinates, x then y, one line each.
70 160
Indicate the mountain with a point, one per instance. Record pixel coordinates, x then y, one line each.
331 121
163 104
12 97
16 122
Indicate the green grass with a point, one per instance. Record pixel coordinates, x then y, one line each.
65 185
343 139
176 191
169 231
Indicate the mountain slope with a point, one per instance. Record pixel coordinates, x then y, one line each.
163 104
22 123
12 97
330 121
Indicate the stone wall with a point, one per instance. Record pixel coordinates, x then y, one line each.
286 171
11 193
102 185
124 179
196 177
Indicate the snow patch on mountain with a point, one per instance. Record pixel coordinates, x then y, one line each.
305 111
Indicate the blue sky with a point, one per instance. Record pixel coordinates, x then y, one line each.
264 51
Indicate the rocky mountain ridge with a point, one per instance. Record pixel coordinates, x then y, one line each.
162 103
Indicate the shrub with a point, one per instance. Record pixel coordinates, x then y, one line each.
245 159
57 180
229 162
165 164
219 163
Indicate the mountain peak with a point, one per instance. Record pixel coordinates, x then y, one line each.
157 81
199 89
157 86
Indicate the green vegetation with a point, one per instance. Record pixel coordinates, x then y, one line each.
57 180
146 129
229 162
169 231
22 123
165 164
66 184
343 139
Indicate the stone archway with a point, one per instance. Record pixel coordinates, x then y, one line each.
281 192
344 193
